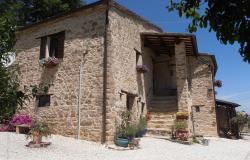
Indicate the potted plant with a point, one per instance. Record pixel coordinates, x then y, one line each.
182 115
181 130
38 130
141 127
50 62
218 83
142 68
131 131
121 138
127 131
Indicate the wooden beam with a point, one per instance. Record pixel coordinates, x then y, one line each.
129 93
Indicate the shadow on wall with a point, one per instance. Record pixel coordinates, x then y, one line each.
48 75
145 81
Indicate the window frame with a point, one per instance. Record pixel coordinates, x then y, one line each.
43 104
47 47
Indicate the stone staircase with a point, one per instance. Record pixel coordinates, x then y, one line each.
163 104
160 123
162 115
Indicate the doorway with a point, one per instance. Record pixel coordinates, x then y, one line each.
164 78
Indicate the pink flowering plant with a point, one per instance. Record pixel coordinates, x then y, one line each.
142 68
218 83
19 119
6 128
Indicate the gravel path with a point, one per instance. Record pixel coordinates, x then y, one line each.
12 147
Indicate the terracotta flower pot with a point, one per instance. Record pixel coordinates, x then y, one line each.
37 138
182 134
183 130
182 117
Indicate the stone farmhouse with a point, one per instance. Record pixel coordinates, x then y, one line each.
100 47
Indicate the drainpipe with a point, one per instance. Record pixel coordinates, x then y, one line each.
104 104
79 101
80 95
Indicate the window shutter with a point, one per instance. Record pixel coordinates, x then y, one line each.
60 44
43 47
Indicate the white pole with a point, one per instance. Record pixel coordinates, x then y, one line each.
79 102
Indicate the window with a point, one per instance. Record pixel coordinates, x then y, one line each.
43 100
142 108
130 102
52 45
197 109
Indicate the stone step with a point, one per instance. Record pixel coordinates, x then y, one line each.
167 126
163 109
168 122
163 103
162 106
161 115
160 123
159 132
160 120
164 98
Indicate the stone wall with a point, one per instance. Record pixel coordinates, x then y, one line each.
84 35
124 38
181 77
202 93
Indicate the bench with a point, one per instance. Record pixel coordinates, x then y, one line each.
21 128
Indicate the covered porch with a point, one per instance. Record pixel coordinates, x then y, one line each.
169 78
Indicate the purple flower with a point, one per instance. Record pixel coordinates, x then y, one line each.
218 83
142 68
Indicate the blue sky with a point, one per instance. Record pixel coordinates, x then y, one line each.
234 73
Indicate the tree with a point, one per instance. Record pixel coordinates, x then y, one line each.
15 14
10 97
36 10
229 19
241 120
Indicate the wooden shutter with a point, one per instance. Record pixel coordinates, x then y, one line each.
43 47
53 46
60 43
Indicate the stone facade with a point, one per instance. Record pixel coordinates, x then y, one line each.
202 93
124 36
84 39
85 33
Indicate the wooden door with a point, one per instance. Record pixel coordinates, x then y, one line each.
160 78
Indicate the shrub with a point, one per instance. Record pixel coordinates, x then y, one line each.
19 119
131 130
180 125
142 124
241 120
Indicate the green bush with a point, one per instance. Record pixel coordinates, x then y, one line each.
131 130
180 125
142 124
241 120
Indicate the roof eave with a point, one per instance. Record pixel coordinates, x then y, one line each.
232 104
